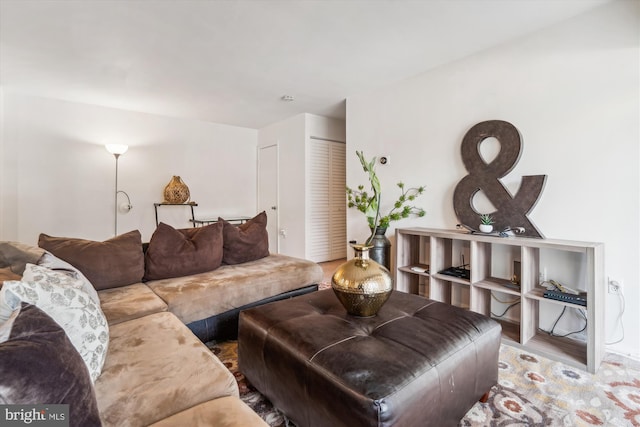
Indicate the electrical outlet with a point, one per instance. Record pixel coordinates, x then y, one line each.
542 275
615 286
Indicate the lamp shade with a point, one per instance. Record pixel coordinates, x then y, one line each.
117 149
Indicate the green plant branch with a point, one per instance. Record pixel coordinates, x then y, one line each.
374 229
369 202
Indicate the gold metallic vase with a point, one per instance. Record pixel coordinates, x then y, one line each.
361 284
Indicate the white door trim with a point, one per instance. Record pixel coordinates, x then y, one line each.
277 189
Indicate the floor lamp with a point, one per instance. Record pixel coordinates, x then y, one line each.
117 150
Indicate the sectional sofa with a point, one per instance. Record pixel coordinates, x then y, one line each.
158 307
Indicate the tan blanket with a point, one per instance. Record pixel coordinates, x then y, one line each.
14 256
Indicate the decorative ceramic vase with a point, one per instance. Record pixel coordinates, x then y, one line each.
176 191
381 250
361 284
486 228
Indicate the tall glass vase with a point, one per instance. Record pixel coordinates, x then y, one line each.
361 284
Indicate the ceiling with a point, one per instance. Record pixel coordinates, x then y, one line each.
231 61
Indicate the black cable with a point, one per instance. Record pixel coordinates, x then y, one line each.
551 332
505 311
571 333
553 328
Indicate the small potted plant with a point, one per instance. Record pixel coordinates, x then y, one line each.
486 223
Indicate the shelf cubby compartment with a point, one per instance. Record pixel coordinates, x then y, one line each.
414 253
564 349
510 331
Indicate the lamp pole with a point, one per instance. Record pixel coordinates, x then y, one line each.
115 212
117 150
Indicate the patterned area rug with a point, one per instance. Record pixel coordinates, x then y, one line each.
532 391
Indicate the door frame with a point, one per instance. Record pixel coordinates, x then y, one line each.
277 189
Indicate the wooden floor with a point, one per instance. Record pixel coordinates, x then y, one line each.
329 268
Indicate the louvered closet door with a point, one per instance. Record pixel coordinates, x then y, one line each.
338 201
327 203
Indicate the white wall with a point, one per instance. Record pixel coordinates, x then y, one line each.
292 136
57 177
572 90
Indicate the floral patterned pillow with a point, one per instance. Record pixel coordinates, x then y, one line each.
62 298
52 262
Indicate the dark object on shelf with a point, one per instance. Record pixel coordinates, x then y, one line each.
460 272
580 299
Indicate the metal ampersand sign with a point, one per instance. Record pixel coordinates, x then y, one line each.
511 211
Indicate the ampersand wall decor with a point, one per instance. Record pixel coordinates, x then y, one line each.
511 211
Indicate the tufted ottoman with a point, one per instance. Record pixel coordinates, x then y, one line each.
416 363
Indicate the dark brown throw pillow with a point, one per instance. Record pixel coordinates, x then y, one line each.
176 253
245 242
116 262
39 365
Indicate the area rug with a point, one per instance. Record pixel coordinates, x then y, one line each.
531 391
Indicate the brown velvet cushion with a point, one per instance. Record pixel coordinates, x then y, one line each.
116 262
245 242
177 253
39 365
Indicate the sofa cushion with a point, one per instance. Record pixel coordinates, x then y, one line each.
245 242
62 298
118 261
223 412
129 302
203 295
14 256
156 368
38 364
175 253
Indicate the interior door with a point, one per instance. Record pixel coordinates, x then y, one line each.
268 192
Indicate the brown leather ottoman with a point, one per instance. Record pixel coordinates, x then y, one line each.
416 363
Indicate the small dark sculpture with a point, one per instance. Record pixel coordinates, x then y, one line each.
511 211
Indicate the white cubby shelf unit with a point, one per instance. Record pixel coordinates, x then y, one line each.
421 253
